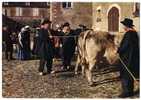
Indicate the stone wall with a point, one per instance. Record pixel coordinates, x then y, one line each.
80 13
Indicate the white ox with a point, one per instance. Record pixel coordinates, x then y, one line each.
90 43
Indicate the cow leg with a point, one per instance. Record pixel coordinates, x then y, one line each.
89 73
88 76
83 70
77 65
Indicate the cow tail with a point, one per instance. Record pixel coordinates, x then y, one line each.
84 46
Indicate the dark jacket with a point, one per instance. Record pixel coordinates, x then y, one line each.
8 41
45 48
129 52
68 44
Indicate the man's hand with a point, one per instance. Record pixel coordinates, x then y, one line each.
60 45
51 37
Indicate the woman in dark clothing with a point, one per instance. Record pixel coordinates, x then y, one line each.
129 53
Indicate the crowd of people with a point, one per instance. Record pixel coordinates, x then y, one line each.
47 43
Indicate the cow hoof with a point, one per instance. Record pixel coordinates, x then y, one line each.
76 73
91 84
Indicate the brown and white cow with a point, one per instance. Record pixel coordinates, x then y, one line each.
90 43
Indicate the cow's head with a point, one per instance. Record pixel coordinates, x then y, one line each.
111 54
117 39
111 48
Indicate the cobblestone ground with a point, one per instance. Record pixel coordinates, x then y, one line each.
21 79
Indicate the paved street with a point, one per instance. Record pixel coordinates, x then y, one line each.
21 79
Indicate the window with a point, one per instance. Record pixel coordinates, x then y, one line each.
136 12
67 4
27 3
8 12
12 12
35 11
18 11
4 11
5 3
27 12
21 11
98 13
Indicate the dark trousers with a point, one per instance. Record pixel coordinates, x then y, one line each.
9 52
67 57
127 81
68 50
127 85
66 61
8 55
57 52
48 64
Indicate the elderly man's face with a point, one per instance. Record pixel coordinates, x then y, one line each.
125 28
66 29
5 28
47 26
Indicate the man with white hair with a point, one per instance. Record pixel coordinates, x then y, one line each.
129 54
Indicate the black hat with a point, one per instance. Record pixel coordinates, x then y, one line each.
45 21
127 22
82 26
66 24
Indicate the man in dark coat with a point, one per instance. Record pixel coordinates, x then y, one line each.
68 45
45 47
129 53
8 43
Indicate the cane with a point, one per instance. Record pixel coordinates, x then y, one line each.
134 78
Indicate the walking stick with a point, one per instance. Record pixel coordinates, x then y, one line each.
134 78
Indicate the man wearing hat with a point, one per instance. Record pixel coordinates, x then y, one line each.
129 53
68 45
45 47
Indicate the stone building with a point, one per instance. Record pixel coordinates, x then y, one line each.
73 12
107 16
99 16
25 11
58 12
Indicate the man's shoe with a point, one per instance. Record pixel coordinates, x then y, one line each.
42 74
52 72
63 68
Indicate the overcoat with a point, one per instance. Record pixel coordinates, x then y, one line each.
68 44
7 40
129 53
45 48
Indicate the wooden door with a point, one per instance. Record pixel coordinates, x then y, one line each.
113 20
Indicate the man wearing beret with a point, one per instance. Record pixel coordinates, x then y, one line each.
129 53
45 48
